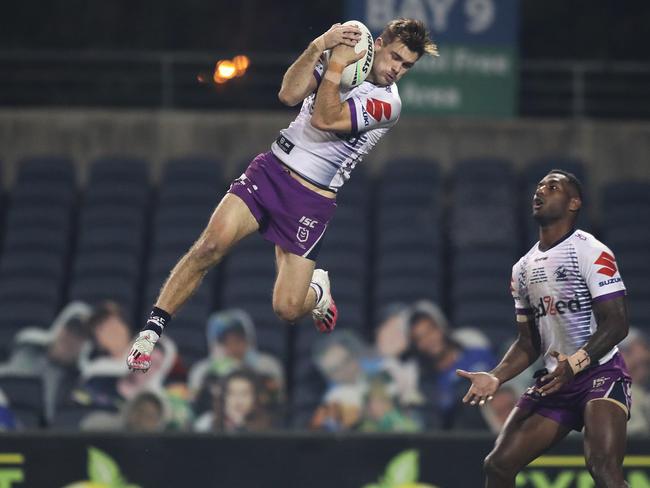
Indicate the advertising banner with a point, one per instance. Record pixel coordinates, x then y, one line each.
476 73
284 461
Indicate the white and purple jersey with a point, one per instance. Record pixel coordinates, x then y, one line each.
558 286
326 158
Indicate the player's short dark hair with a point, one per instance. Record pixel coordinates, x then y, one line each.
412 33
575 183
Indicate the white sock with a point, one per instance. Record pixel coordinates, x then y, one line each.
318 290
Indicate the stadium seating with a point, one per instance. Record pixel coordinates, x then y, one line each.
344 251
410 233
110 235
484 241
36 244
408 245
26 401
248 278
625 210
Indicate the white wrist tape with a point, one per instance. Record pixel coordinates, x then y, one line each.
579 361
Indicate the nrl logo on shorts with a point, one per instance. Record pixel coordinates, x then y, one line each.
302 235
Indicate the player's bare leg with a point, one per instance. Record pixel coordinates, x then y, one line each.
292 295
230 222
524 437
604 441
300 289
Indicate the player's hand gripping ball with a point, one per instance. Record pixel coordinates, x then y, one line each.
356 73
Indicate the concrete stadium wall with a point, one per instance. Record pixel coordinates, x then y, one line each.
613 150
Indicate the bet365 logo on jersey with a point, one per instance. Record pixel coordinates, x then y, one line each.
550 306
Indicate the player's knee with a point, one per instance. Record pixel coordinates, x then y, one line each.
207 251
604 468
287 309
496 466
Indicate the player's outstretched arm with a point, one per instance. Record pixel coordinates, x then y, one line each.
329 112
299 81
613 326
522 353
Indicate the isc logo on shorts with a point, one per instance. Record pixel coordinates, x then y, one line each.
307 222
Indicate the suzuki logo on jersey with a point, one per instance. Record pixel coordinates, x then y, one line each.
378 109
550 306
364 114
609 282
307 222
608 263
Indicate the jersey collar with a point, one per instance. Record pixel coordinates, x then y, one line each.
559 241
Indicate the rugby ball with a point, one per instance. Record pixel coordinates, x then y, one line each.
356 73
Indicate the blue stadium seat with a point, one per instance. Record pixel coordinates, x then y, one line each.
26 401
54 169
193 169
124 169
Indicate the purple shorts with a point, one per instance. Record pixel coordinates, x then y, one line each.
610 380
289 214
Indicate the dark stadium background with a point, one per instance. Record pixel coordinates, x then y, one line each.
99 102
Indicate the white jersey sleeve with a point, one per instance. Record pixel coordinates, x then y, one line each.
374 109
523 308
600 271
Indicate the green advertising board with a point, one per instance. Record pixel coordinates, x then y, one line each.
477 71
296 460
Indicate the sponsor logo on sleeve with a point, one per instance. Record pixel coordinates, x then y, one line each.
378 109
364 114
611 281
608 263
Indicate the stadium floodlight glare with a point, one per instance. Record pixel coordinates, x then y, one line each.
224 71
227 69
241 64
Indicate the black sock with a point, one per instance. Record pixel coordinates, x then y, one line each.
158 319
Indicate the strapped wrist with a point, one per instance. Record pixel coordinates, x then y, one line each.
319 42
335 66
333 76
157 321
579 361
